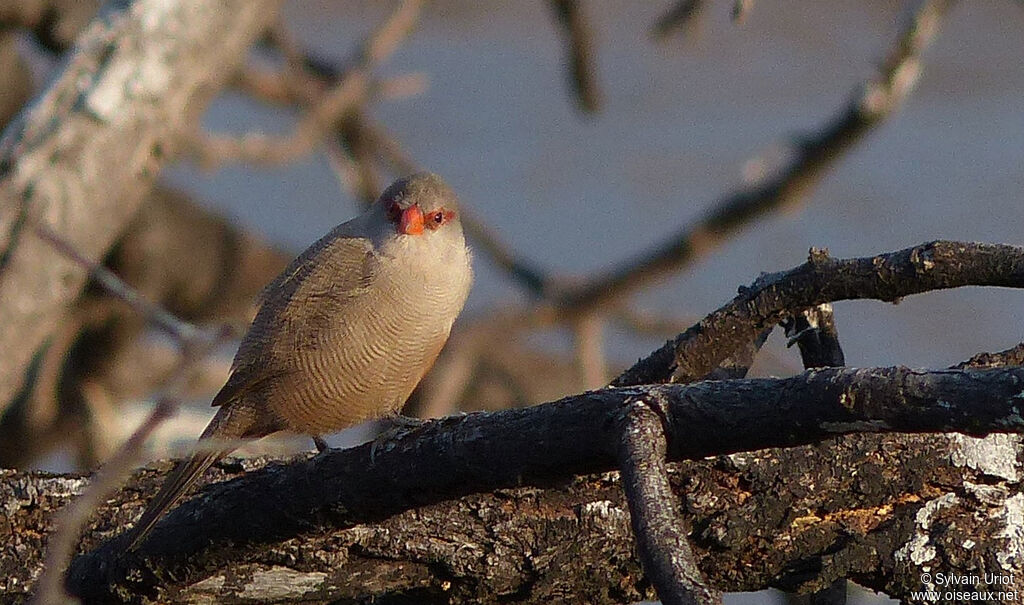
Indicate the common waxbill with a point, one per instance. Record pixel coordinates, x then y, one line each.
345 332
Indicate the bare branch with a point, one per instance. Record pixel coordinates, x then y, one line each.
1010 357
74 517
546 444
814 331
679 17
814 155
740 10
580 49
185 332
349 90
931 266
660 529
591 366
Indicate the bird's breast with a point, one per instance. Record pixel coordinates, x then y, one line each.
372 351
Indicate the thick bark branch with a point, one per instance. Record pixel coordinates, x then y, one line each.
931 266
82 157
814 331
305 517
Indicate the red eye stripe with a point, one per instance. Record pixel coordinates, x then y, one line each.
438 217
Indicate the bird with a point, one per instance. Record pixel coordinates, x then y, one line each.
344 334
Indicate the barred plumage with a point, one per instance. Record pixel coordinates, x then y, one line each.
346 331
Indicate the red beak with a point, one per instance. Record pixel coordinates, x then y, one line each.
411 221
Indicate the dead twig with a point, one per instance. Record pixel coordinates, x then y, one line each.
588 345
74 517
681 16
740 10
814 331
184 331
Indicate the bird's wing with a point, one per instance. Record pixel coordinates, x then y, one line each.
296 305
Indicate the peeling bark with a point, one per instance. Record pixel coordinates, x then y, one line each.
81 158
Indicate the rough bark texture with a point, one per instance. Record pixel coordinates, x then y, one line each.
662 536
877 509
932 266
84 154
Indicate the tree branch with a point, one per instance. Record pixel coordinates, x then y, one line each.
661 533
82 157
814 331
931 266
579 48
813 156
233 523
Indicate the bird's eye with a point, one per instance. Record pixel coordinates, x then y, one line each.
439 217
394 211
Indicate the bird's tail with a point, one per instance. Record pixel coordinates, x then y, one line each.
224 425
174 487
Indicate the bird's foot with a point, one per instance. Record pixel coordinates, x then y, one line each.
399 426
321 445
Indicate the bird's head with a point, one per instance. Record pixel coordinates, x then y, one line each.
421 205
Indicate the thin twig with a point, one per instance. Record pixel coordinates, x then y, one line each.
580 48
344 166
73 518
350 89
167 321
875 101
588 345
676 19
350 133
740 10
